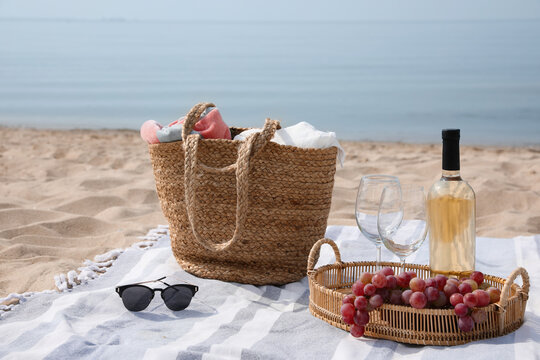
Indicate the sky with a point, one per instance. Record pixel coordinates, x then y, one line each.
289 10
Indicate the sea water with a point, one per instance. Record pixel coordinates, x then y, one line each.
391 81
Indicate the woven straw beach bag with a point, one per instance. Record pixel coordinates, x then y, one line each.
244 211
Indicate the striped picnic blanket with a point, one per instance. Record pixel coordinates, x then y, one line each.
230 320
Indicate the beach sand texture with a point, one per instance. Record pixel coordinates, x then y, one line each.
66 196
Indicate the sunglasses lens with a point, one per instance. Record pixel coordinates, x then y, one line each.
137 298
177 297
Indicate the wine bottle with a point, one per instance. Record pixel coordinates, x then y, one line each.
452 213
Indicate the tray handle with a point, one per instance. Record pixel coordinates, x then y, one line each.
314 253
505 293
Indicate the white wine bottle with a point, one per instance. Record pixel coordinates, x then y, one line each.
452 214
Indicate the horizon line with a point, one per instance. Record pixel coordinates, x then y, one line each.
135 20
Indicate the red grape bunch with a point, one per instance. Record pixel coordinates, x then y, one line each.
467 296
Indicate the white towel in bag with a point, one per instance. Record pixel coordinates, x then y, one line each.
302 135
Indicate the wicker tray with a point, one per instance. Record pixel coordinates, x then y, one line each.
329 284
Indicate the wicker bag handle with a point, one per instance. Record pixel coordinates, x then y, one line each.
247 150
193 117
505 293
314 253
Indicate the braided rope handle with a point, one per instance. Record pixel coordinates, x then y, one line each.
192 117
505 293
314 253
247 150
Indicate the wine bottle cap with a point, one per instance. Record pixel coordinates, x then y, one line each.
450 158
450 134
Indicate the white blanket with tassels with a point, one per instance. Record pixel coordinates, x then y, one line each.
230 320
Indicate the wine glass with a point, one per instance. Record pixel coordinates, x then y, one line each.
402 219
367 206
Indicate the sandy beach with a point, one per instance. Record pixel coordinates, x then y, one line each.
66 196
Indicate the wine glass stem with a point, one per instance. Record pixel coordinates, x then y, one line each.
402 259
378 264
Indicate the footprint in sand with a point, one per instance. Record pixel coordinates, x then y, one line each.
8 206
103 183
142 196
91 205
510 169
80 226
533 225
13 217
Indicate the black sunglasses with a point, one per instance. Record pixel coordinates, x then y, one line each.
137 297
